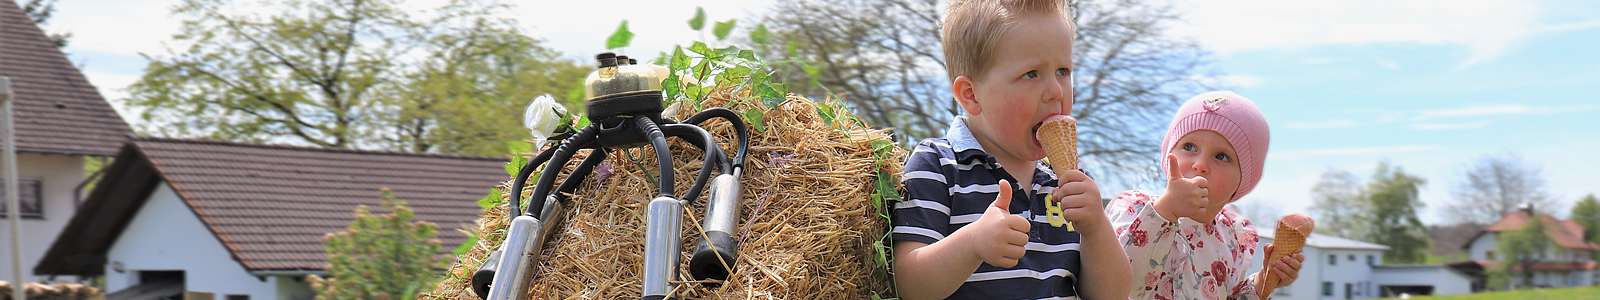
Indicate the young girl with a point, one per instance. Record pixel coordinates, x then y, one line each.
1184 244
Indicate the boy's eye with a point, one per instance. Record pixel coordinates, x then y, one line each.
1222 157
1031 75
1188 147
1063 72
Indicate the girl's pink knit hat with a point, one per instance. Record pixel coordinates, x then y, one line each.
1233 116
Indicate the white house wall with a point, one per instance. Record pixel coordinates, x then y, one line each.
165 235
1443 280
59 175
1316 270
1479 248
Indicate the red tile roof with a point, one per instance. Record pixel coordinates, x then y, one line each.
271 205
57 110
1564 233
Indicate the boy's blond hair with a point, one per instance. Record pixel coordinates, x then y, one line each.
972 28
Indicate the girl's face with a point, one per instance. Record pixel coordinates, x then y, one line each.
1207 154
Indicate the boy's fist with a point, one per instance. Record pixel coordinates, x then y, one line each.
999 237
1185 197
1080 199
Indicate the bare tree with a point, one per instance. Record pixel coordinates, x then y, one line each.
883 57
1497 184
1339 205
40 12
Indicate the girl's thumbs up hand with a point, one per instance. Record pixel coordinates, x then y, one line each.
1185 197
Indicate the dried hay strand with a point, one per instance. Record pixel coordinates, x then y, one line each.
53 291
807 229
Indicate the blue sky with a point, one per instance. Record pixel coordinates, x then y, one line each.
1430 86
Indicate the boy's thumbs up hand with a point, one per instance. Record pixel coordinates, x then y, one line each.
999 237
1185 197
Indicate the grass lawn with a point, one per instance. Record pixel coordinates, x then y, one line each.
1592 292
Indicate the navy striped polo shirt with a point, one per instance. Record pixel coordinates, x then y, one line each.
950 182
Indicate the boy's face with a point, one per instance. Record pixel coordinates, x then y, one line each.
1207 154
1028 79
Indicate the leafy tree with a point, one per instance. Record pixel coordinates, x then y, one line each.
380 256
1384 211
40 12
1522 248
350 74
1587 213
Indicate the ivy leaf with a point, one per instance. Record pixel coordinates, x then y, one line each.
700 48
680 61
759 35
721 29
699 20
757 118
490 200
472 239
517 150
621 37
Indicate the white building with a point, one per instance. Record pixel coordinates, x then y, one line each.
61 122
234 221
1568 262
1338 268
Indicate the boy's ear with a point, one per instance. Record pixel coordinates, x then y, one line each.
962 89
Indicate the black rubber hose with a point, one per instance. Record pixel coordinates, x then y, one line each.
700 138
738 129
563 153
658 140
576 178
527 171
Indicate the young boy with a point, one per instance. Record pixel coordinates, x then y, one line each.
972 224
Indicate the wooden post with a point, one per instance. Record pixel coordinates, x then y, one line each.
13 208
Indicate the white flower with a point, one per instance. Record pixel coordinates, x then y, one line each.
543 118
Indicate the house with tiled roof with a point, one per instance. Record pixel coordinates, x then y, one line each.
1341 268
1568 262
245 221
61 122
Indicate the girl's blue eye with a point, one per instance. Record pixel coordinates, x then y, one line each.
1222 157
1031 74
1188 147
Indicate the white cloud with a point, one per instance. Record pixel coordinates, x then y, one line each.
115 27
1349 152
1230 81
1477 111
1484 28
1330 124
1430 126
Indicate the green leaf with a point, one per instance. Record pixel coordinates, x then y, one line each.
826 111
491 200
722 29
621 37
757 119
769 94
517 149
680 61
699 20
583 123
472 239
670 87
791 48
748 55
701 48
759 35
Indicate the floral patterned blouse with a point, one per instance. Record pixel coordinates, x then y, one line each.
1184 259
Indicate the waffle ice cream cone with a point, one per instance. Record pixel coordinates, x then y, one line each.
1059 136
1288 240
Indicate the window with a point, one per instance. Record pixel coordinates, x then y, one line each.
1351 257
1327 289
1372 260
1489 254
29 197
238 297
1333 260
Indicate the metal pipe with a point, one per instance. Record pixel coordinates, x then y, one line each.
664 222
516 263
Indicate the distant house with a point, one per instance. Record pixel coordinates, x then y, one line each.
1569 261
1338 268
61 122
239 221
